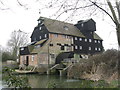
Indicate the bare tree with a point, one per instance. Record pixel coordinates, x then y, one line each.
80 7
92 7
17 39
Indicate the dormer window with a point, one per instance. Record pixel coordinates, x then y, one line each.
65 27
39 21
22 49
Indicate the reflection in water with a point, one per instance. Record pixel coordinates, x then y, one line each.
45 81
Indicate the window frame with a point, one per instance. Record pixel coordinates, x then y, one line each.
33 58
80 47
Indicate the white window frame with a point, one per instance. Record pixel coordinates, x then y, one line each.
40 37
96 48
85 40
80 47
45 35
90 48
22 49
95 41
40 28
76 38
76 47
80 39
66 27
33 58
99 49
98 41
82 25
90 40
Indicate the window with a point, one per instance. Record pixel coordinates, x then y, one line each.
90 40
37 46
62 48
99 49
40 28
56 35
89 48
45 35
82 25
22 49
76 47
98 41
52 56
85 40
80 47
75 38
40 37
39 21
95 41
67 37
80 39
32 57
96 49
63 36
65 27
51 44
35 39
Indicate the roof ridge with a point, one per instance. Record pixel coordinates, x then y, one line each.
57 20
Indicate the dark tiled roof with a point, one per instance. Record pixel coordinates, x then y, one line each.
56 26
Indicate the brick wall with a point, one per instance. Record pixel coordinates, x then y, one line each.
32 59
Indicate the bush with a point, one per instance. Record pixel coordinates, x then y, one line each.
103 65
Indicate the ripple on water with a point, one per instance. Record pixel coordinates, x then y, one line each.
72 80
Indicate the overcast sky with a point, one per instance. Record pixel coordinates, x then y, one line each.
18 17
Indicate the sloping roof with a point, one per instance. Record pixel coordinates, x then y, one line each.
56 26
95 36
41 41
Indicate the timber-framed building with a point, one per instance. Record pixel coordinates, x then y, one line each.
53 41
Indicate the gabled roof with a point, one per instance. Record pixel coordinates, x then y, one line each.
55 26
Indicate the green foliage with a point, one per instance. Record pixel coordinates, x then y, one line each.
6 56
52 85
13 80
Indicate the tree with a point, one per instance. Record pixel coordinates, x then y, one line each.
17 40
91 7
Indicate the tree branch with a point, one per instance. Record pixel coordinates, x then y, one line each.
104 11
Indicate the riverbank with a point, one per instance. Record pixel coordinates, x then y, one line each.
102 66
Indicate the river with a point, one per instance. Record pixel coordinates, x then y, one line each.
50 81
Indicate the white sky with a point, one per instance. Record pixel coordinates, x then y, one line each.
18 18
